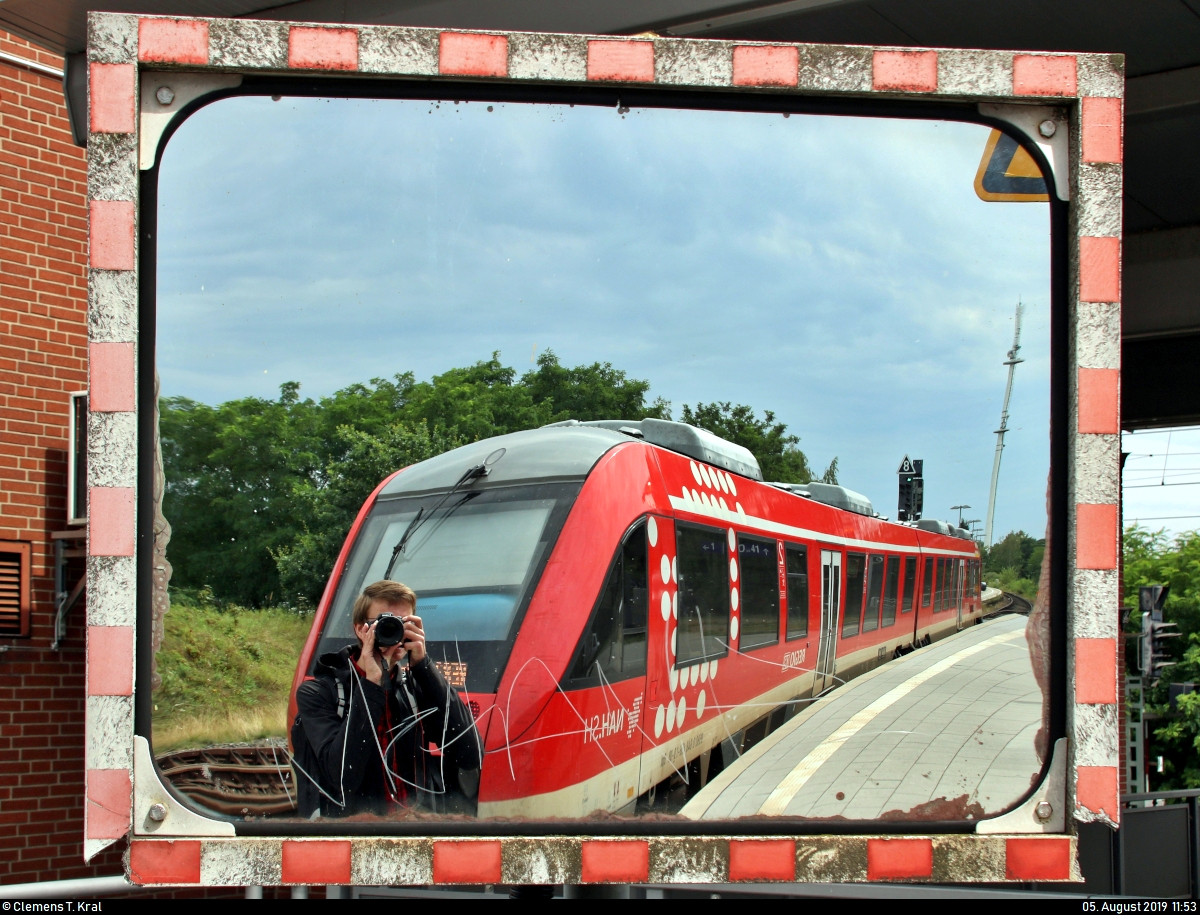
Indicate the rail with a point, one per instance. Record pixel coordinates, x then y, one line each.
235 781
1013 603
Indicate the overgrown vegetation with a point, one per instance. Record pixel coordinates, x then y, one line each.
226 671
260 493
1014 564
1152 558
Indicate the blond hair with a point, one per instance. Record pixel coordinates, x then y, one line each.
390 592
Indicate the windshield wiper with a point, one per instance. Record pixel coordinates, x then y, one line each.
474 473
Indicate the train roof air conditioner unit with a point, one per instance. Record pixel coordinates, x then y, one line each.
684 439
943 527
830 494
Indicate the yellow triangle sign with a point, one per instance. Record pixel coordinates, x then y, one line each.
1008 173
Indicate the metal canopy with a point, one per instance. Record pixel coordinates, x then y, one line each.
1160 38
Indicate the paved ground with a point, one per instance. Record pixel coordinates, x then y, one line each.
957 718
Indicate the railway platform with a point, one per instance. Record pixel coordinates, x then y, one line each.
946 732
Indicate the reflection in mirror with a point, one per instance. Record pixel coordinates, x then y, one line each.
618 395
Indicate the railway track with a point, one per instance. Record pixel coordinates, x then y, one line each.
235 781
1012 603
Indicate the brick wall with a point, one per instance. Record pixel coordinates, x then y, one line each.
43 347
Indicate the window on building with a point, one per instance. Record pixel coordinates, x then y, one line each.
614 645
856 580
874 593
797 590
758 574
703 564
891 590
910 583
15 558
927 584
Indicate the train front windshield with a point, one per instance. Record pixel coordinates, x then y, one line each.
473 560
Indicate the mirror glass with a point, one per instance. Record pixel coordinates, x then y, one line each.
698 412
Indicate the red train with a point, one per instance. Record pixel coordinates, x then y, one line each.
625 604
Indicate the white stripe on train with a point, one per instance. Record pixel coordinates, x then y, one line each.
774 527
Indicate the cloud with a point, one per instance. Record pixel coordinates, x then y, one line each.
839 271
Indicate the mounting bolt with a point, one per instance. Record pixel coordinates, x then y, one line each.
158 812
1044 810
1046 128
166 95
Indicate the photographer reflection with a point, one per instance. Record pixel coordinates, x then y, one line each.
376 735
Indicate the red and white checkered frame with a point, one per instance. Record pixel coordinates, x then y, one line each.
1088 86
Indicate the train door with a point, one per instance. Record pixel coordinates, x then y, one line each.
912 594
831 590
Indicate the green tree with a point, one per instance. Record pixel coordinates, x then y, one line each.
231 471
1177 738
1014 564
590 392
830 474
768 440
326 512
479 401
1150 557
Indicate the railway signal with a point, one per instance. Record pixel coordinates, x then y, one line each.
912 490
1154 631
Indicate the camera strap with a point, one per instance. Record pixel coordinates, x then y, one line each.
402 687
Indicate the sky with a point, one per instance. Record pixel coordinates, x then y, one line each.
840 272
1161 479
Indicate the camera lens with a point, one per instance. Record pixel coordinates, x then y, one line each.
389 630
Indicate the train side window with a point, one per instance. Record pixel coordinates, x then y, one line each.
910 583
614 645
939 584
797 591
874 593
703 564
855 585
635 607
927 585
758 577
891 589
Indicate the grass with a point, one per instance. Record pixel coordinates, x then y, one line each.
1010 580
226 672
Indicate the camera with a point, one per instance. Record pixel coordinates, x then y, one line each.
389 630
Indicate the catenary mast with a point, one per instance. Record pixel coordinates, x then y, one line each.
1012 362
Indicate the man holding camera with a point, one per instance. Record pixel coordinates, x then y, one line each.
365 736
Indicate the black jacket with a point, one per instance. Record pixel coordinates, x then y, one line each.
336 746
